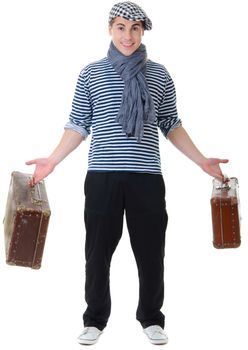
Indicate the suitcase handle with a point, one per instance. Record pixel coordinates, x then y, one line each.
34 199
224 185
227 183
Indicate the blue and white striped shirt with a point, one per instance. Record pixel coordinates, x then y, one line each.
95 106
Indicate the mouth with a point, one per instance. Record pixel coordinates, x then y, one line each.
127 45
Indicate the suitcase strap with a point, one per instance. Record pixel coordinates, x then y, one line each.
221 223
34 261
38 201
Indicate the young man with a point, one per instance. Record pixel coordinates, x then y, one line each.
124 98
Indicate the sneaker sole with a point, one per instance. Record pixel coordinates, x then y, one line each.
158 342
87 341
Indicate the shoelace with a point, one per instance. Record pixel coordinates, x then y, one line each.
155 330
88 330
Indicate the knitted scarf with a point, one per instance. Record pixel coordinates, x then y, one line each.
137 106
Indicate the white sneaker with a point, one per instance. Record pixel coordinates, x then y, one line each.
89 336
156 335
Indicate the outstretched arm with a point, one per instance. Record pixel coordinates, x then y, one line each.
44 166
182 141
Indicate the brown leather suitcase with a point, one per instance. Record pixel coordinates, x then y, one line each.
225 213
26 221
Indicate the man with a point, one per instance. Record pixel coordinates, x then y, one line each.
124 98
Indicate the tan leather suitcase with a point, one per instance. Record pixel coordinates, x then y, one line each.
26 221
225 209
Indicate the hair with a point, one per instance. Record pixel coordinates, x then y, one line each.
112 22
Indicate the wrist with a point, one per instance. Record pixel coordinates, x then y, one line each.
201 162
53 160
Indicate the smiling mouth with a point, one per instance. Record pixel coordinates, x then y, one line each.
127 45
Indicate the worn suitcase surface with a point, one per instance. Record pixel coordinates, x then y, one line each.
26 221
225 214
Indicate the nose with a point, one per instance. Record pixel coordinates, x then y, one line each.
127 35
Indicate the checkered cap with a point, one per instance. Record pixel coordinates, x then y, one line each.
129 10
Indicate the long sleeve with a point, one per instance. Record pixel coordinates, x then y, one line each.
81 113
167 115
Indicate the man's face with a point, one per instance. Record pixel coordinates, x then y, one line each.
126 35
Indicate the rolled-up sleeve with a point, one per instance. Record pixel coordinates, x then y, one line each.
80 118
167 114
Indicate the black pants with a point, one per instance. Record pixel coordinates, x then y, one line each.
142 196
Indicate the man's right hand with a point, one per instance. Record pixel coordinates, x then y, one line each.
44 166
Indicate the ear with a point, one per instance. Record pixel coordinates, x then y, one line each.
110 30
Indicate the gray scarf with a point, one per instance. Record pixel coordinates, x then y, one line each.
137 106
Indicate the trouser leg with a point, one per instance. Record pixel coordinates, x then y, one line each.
103 234
147 221
103 222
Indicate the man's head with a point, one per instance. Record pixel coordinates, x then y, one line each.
127 22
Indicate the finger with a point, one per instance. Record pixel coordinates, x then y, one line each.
31 181
38 177
35 179
31 162
220 177
218 161
224 160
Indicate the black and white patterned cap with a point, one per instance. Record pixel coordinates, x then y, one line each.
131 11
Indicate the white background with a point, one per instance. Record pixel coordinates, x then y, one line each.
44 45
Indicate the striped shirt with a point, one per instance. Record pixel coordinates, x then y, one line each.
95 106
